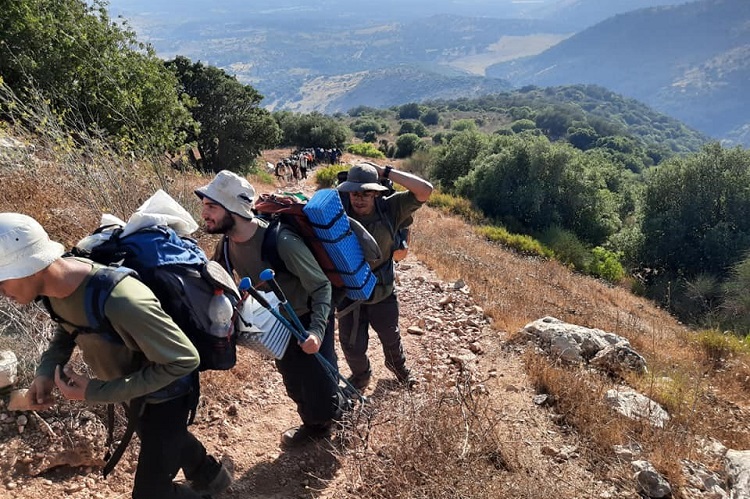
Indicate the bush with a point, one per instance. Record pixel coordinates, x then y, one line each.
567 247
455 206
326 177
366 149
521 243
719 345
606 264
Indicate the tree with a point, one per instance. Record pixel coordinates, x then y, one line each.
430 117
312 130
414 127
406 145
409 111
454 160
234 129
696 215
363 126
92 73
464 125
531 182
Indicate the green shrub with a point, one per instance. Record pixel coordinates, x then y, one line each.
326 177
521 243
455 206
264 177
719 345
365 149
606 264
567 247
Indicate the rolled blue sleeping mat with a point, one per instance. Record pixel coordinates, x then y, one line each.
331 225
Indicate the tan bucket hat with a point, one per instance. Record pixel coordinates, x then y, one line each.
232 192
25 247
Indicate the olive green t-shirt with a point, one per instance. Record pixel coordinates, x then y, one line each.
150 353
306 287
398 208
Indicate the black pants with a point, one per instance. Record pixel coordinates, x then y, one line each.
166 447
355 338
306 382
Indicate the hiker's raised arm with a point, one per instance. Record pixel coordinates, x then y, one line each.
418 186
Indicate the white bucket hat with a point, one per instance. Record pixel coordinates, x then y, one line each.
232 192
25 247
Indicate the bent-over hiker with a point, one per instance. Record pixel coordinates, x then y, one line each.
228 209
382 217
144 360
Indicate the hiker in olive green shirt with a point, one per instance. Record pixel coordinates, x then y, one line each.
383 217
228 209
144 360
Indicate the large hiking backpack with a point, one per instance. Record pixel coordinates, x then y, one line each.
180 275
342 247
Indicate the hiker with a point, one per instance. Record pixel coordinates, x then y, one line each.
151 367
382 217
228 209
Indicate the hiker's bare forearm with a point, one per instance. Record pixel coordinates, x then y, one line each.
418 186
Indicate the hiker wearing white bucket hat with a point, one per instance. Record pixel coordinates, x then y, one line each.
25 247
306 287
383 217
142 352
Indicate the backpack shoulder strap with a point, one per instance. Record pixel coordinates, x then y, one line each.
97 291
269 249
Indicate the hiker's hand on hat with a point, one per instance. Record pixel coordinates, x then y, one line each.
311 345
39 395
71 384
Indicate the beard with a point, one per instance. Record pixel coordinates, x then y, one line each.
222 226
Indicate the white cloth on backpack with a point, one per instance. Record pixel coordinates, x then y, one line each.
161 209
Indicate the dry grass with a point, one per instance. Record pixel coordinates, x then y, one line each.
704 399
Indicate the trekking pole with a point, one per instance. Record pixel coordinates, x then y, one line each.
269 276
333 374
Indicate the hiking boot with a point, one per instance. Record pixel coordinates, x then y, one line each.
220 480
305 434
360 381
405 377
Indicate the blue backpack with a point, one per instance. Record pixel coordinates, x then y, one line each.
178 273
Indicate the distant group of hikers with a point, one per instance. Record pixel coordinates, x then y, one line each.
295 166
150 354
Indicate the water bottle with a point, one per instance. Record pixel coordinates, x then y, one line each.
220 312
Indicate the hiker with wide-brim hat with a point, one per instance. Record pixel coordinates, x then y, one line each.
227 209
363 196
141 354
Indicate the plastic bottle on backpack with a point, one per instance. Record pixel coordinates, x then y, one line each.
220 311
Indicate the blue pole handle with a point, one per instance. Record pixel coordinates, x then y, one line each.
269 276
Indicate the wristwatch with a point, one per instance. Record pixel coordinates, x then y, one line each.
387 171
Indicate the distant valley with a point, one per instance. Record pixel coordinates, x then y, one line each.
688 60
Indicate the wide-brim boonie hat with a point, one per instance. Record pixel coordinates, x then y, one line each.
25 247
361 177
232 192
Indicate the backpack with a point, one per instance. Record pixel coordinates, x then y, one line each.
341 246
401 237
179 274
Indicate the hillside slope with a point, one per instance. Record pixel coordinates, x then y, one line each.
690 61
